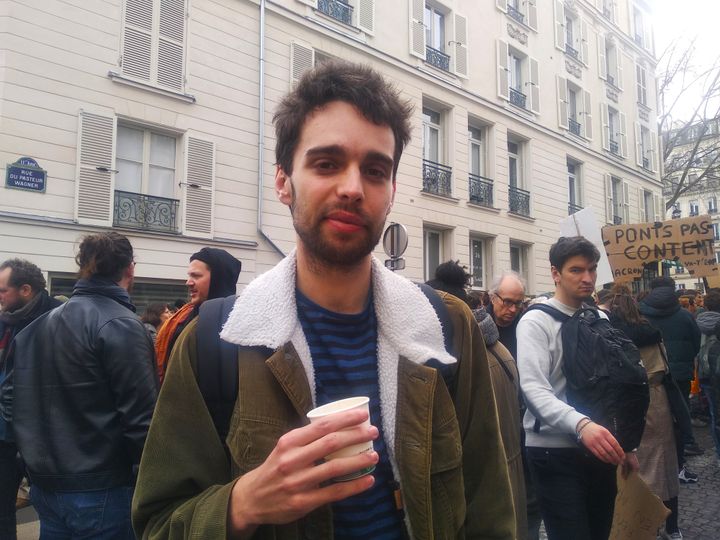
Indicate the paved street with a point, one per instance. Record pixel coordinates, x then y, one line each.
699 503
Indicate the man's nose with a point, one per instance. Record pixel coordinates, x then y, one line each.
351 184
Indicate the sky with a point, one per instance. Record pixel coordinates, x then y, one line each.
686 19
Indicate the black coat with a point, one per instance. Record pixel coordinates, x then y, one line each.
85 390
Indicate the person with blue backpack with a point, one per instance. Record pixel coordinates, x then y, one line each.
572 456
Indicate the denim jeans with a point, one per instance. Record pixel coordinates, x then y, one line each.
10 477
96 515
710 395
576 493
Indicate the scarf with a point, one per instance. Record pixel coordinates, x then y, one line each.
12 318
487 326
164 337
98 286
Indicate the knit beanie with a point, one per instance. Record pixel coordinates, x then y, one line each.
224 271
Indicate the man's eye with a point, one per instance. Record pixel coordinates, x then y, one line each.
325 165
377 172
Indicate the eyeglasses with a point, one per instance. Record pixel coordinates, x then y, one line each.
511 303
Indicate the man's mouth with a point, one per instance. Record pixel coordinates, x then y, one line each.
345 221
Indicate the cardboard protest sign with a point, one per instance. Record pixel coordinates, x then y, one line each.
638 511
583 223
689 240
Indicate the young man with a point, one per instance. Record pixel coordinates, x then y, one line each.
575 485
328 322
85 390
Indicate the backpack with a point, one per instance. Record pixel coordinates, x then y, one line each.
605 377
217 369
706 366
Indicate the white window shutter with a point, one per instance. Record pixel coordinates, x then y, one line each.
502 70
137 39
608 199
199 202
659 204
366 15
171 44
460 46
653 152
532 14
559 25
640 206
588 119
502 5
584 45
93 187
618 63
626 202
638 145
302 58
602 60
534 85
417 28
605 132
562 101
623 134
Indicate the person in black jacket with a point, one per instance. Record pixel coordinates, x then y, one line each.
23 299
84 392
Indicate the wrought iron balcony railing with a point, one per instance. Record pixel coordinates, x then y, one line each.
437 178
607 13
516 14
517 98
614 147
611 80
574 127
519 201
712 210
138 211
437 58
336 9
481 190
570 51
639 39
617 220
572 208
694 212
646 163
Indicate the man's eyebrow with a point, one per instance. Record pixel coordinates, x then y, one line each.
337 150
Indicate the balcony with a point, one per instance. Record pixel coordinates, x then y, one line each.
570 51
572 208
646 164
437 58
611 81
694 212
519 201
712 210
617 220
574 127
517 98
639 39
614 147
437 178
608 14
336 9
144 212
481 190
515 14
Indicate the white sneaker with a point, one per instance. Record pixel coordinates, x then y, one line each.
672 536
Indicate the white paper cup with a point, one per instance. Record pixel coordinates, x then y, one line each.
340 406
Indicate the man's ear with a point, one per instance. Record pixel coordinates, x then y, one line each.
392 199
283 186
25 290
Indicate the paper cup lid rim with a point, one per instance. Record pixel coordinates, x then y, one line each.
341 404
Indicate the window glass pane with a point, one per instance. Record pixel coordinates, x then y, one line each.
129 143
475 159
432 253
475 133
439 31
427 22
162 182
515 261
513 171
431 143
129 176
431 116
162 150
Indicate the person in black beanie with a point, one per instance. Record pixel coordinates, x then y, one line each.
212 273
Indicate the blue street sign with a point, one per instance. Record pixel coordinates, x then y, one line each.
26 174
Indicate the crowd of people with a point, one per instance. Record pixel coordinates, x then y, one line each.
478 424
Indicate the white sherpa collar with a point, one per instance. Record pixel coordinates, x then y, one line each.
265 314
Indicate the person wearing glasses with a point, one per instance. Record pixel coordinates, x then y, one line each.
506 302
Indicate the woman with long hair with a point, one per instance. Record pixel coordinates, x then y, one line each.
154 317
657 451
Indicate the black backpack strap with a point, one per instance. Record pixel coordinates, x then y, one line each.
217 369
441 310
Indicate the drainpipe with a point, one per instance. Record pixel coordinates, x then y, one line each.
261 131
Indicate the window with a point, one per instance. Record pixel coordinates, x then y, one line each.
154 42
614 132
480 262
570 32
439 37
641 79
712 205
480 187
646 147
434 28
717 257
610 61
609 9
617 193
694 208
359 13
437 178
522 11
716 231
433 250
574 108
519 198
648 206
518 78
519 258
574 186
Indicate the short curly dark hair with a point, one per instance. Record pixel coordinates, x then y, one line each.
337 80
24 272
572 246
105 254
712 300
